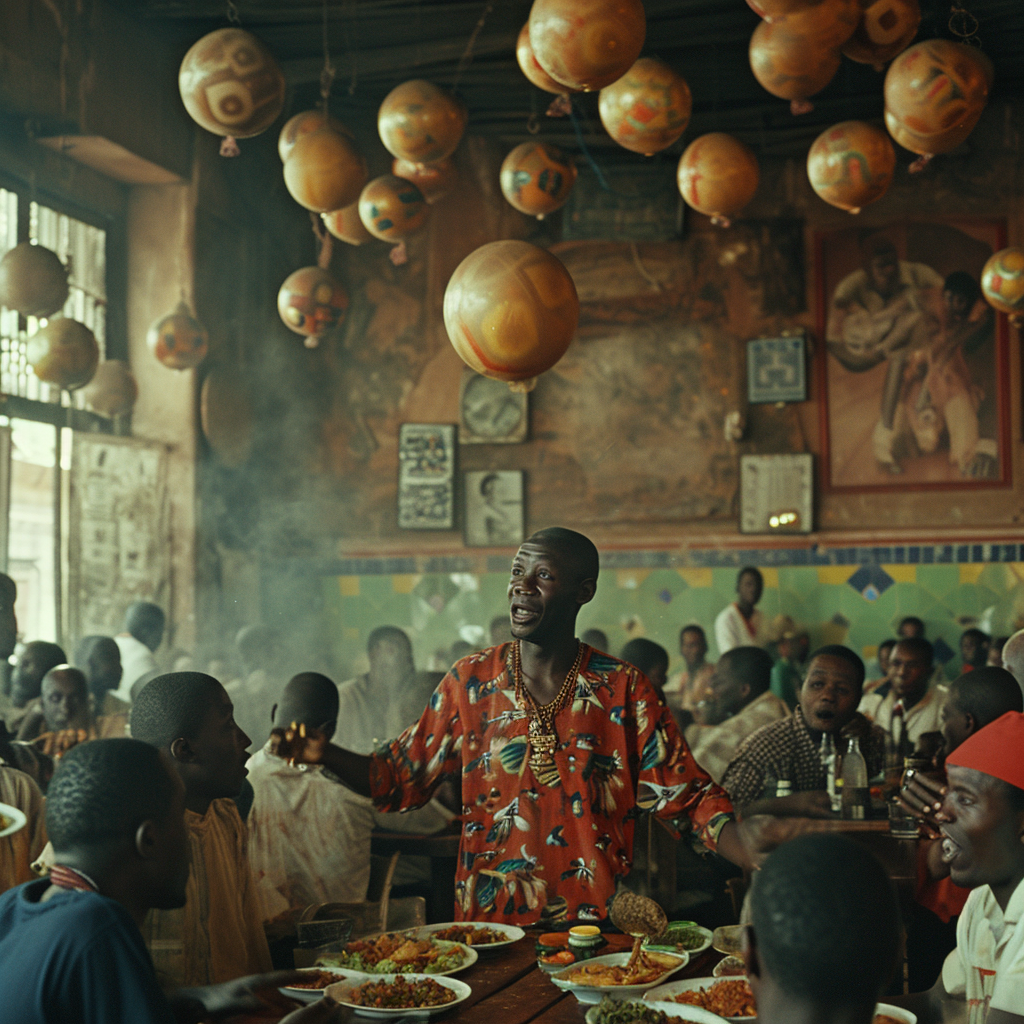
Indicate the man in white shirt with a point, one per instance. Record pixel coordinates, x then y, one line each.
982 822
143 633
910 668
739 624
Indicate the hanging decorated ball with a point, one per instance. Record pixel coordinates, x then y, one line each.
770 10
434 180
63 353
717 176
886 29
420 122
927 145
851 164
33 280
1002 282
226 416
936 86
345 225
789 64
510 310
529 66
648 108
178 340
587 44
324 171
311 302
302 124
112 390
829 22
392 208
537 178
230 84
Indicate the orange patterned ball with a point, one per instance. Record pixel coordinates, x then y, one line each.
420 122
434 180
717 175
587 44
179 340
302 124
392 208
230 84
345 225
529 66
311 302
324 170
648 108
770 10
63 353
886 29
1002 281
791 65
510 310
537 178
851 164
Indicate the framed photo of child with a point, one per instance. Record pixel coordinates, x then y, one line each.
494 508
914 367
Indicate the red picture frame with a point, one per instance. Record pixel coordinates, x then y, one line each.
914 365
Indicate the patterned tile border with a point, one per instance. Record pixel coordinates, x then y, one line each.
697 558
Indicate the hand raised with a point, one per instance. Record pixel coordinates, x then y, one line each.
298 744
922 796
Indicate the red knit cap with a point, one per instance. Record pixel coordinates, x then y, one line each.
997 750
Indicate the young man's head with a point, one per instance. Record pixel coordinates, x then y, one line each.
884 654
309 699
99 658
115 810
749 586
740 676
65 699
390 652
910 669
974 647
554 573
984 808
34 661
831 688
145 621
693 646
910 626
650 658
976 699
190 717
825 934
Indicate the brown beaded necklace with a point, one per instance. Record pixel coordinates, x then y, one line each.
542 737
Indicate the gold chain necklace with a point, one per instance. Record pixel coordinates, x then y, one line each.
542 738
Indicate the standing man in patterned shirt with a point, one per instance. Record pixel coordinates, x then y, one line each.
554 744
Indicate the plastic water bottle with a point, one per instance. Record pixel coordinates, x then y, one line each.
828 760
856 796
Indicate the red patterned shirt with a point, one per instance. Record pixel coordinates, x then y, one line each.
553 847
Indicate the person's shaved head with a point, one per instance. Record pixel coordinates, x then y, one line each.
976 699
99 658
145 621
579 551
1013 657
65 699
173 706
309 699
35 660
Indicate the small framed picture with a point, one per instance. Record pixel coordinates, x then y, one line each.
490 413
494 508
777 369
776 493
426 476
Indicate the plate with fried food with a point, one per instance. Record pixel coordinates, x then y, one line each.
314 982
401 953
611 975
483 936
730 998
11 820
396 995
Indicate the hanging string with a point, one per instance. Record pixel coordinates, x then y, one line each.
963 24
328 72
601 179
467 53
233 15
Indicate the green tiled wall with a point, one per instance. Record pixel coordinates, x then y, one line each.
439 608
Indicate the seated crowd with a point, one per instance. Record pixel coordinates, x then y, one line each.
161 877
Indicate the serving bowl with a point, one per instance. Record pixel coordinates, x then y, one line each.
589 994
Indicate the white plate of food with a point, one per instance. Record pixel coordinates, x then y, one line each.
11 820
681 936
615 1011
400 953
730 967
483 936
397 995
314 982
591 980
886 1013
730 998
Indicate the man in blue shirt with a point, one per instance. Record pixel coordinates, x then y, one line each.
70 946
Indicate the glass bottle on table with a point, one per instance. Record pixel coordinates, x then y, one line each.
829 761
856 795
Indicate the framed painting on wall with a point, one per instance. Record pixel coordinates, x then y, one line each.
914 371
494 508
426 476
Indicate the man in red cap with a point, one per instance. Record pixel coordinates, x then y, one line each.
982 818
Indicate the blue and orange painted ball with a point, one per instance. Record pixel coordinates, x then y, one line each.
510 310
178 340
851 164
537 178
311 302
420 122
392 208
1002 282
648 108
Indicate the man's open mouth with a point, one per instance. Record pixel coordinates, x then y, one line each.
521 614
825 715
950 849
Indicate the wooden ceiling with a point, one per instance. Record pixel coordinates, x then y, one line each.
375 44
